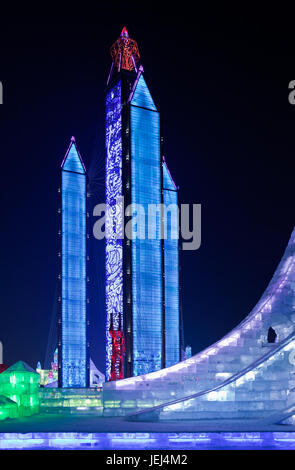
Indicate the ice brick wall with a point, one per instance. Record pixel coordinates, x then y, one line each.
261 391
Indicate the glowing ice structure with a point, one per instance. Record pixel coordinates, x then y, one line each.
47 376
21 384
142 282
171 264
260 391
73 331
114 249
144 441
97 378
239 376
71 400
8 408
146 259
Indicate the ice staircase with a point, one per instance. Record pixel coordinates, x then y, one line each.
242 347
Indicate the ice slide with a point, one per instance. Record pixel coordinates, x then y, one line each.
234 353
263 391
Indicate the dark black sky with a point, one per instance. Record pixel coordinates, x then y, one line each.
221 84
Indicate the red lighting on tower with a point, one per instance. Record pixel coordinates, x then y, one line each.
124 52
118 351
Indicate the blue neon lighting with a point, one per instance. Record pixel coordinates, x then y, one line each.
142 96
132 440
171 265
73 161
73 313
114 249
146 254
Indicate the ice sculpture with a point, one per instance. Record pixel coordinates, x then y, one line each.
8 408
260 391
233 375
20 383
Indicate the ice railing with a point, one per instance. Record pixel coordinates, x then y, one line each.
216 393
261 309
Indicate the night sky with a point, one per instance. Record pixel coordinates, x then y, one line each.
221 85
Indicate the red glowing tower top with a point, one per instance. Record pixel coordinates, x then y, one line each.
125 52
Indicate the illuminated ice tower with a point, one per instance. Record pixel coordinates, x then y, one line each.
142 274
73 355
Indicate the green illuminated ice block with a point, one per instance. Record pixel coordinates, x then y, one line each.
20 383
8 408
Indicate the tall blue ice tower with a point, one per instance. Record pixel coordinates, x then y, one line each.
72 322
142 273
171 269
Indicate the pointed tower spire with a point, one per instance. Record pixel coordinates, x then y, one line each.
124 33
124 52
72 160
